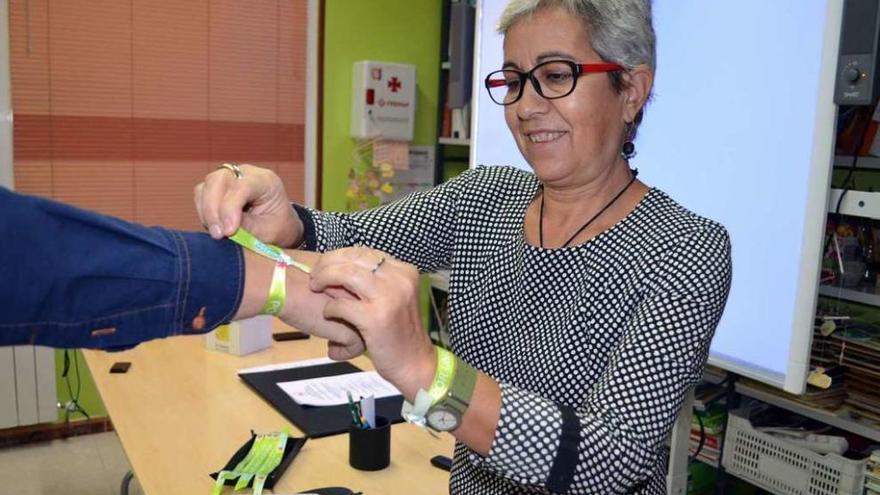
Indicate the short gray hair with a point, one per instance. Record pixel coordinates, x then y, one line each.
621 30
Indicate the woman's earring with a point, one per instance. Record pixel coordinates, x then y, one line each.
628 150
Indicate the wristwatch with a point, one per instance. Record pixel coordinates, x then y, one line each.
447 411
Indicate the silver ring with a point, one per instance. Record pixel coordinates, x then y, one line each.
235 169
381 261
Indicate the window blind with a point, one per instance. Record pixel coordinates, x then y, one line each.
123 106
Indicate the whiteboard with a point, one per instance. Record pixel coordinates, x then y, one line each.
740 131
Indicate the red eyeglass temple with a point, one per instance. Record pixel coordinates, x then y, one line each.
585 69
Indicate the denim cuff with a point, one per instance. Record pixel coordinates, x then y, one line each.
211 282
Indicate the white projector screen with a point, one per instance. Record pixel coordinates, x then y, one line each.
741 131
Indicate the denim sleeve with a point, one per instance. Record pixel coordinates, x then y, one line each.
74 278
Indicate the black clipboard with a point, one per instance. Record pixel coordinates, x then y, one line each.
314 421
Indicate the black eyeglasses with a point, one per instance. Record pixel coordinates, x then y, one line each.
552 79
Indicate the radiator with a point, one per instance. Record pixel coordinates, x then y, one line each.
27 374
27 386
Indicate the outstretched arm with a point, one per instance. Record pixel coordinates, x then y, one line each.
74 278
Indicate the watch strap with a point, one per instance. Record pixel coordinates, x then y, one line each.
458 396
461 390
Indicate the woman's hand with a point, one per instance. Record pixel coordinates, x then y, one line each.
257 202
304 308
386 312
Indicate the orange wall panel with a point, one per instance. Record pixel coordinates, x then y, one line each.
170 59
243 58
123 106
90 57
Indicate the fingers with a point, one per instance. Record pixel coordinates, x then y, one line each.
231 208
348 276
364 256
336 331
352 312
197 197
344 352
339 293
255 200
212 193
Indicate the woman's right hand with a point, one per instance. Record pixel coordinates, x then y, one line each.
256 202
303 309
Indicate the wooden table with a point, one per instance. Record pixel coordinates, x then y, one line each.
181 412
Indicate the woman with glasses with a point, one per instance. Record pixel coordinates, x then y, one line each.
582 302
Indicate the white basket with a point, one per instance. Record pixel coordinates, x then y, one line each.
786 469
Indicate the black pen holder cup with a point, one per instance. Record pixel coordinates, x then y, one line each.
370 449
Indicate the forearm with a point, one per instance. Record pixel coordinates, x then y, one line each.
418 229
258 278
481 418
480 421
536 441
74 278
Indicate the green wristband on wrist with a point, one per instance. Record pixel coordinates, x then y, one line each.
278 287
443 375
443 406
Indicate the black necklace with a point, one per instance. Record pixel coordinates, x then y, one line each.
634 173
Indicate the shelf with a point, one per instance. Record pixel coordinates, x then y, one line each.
706 460
458 142
856 203
865 162
854 295
841 418
440 280
714 375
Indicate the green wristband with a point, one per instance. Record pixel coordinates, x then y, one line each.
444 374
278 287
277 291
273 459
247 240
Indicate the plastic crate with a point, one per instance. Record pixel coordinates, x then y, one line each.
786 469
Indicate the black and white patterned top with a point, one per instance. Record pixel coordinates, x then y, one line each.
594 345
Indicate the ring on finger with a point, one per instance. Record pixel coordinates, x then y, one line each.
235 169
380 263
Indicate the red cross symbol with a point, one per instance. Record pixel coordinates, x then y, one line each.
394 84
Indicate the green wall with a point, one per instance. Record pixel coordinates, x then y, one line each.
406 32
88 397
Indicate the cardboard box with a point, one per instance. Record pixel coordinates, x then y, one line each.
242 337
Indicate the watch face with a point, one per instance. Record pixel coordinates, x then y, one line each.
443 419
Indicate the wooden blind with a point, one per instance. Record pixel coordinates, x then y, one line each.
122 106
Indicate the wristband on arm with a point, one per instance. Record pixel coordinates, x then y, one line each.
278 287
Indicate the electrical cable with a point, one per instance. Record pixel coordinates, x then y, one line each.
849 182
73 404
727 382
702 442
78 386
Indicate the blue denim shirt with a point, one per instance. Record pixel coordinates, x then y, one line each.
74 278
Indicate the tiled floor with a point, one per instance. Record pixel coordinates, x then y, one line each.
83 465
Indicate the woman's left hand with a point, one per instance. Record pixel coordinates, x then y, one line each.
386 312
